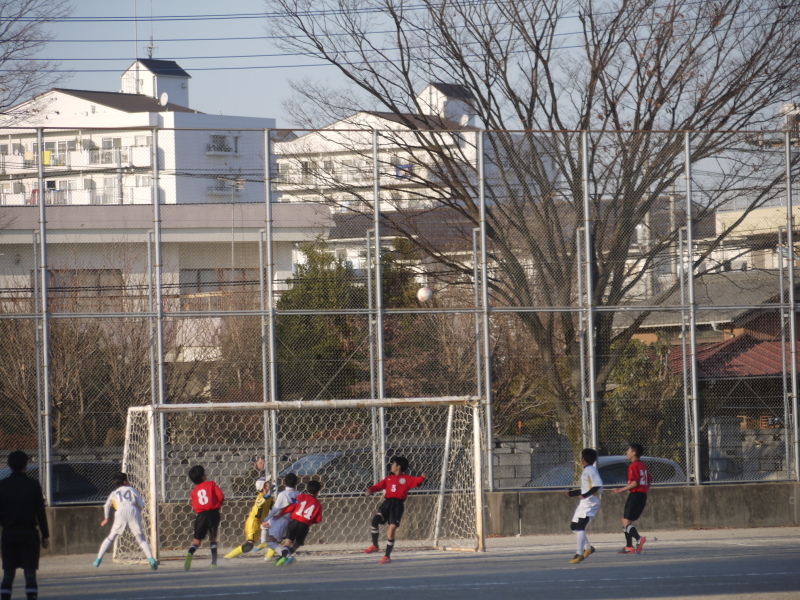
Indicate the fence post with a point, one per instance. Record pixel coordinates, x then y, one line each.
269 277
379 350
692 312
587 232
487 368
793 307
47 477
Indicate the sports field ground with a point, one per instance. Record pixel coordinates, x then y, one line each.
698 564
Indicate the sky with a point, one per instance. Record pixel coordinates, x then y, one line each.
226 77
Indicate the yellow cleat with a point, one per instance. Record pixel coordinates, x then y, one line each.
588 552
576 559
270 554
261 546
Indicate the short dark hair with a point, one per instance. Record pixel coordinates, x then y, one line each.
17 461
313 487
589 455
637 449
290 480
400 461
120 478
196 474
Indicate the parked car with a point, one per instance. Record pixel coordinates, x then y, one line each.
613 470
83 482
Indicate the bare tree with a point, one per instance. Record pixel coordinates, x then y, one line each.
23 35
635 73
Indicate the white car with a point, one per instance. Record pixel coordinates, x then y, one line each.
613 470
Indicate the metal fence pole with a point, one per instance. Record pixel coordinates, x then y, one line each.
684 357
377 456
376 190
792 305
587 232
46 475
270 289
487 348
692 312
783 318
581 337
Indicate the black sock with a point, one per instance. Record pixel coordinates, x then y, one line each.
31 586
634 534
374 533
214 553
192 549
285 551
389 547
7 584
628 541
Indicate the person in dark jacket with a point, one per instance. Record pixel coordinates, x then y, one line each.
21 510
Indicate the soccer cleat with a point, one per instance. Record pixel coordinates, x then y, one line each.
270 554
627 550
385 560
289 560
588 552
153 563
280 562
233 553
640 545
261 546
371 549
214 566
97 562
187 562
576 559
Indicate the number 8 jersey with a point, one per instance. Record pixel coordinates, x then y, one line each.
206 496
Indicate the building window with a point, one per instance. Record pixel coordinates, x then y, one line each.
198 281
218 143
86 290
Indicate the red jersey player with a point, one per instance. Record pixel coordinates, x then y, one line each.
206 499
638 484
305 512
396 488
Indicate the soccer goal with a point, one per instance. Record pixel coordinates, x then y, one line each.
346 444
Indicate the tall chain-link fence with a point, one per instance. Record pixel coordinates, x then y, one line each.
592 288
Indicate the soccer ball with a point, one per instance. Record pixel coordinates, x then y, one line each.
424 294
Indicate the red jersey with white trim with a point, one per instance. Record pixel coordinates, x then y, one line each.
397 486
206 496
637 471
307 510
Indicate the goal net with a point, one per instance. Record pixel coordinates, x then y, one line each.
346 444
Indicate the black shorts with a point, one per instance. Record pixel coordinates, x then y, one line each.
392 511
634 506
206 523
20 549
296 532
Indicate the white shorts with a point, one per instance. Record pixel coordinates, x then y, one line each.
277 528
127 516
586 509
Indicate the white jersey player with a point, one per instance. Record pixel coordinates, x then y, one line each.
275 521
591 489
128 505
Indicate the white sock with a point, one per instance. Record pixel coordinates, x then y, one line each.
145 548
582 541
264 535
104 546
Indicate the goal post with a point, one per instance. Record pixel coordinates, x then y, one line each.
334 441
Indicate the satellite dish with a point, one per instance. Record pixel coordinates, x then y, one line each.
163 99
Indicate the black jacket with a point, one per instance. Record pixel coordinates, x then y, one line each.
22 504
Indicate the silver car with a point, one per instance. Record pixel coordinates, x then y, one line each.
613 470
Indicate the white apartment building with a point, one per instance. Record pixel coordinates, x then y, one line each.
98 147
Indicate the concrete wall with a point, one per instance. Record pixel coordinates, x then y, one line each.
679 507
76 530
